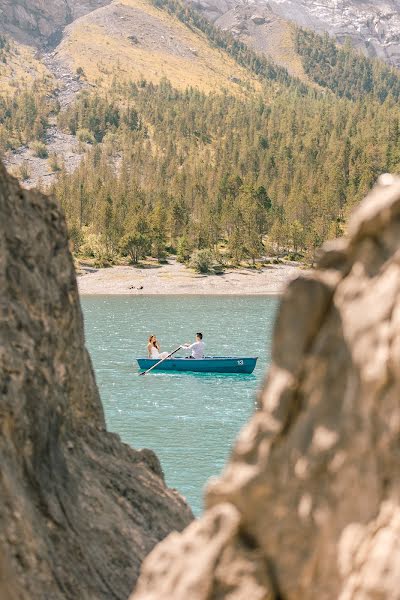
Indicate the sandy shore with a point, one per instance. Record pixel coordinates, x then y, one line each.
174 278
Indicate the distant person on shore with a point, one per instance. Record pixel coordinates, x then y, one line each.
153 349
198 347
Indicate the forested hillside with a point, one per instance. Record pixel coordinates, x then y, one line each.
347 73
273 168
188 170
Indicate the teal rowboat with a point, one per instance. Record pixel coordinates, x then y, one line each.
209 364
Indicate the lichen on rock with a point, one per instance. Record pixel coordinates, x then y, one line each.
308 506
79 509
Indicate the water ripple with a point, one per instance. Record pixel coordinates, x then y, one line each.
190 420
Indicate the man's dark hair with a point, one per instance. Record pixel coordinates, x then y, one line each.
200 335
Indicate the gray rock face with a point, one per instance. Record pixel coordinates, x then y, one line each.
373 26
309 504
79 510
39 22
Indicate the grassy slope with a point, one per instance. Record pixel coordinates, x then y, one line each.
104 50
280 46
21 67
275 38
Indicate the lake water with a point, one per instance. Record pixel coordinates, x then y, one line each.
190 420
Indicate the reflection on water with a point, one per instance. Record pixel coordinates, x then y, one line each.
189 419
205 376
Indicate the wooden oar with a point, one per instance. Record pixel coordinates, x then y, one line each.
160 361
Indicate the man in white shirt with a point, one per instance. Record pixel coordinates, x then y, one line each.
197 348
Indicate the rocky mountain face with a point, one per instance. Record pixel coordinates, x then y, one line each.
38 22
79 510
309 504
372 26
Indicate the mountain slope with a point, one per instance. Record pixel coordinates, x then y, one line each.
127 39
266 33
19 66
373 27
116 42
133 40
41 23
265 158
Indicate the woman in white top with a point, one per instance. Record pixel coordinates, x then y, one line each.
153 349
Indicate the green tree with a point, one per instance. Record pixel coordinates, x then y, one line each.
297 235
184 250
135 245
201 260
136 242
158 225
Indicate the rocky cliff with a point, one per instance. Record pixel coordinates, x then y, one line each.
308 506
38 22
372 26
79 510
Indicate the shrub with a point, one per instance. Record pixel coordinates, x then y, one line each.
103 262
111 143
54 162
202 260
85 136
79 148
294 256
23 171
39 149
91 245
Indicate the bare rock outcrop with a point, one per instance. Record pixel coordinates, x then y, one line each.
79 510
39 22
308 506
373 26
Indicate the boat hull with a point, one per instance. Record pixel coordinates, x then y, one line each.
214 364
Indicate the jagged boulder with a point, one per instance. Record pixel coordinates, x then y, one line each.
79 510
258 19
308 506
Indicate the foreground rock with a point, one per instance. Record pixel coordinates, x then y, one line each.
79 510
308 507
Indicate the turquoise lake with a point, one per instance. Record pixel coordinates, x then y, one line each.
189 420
